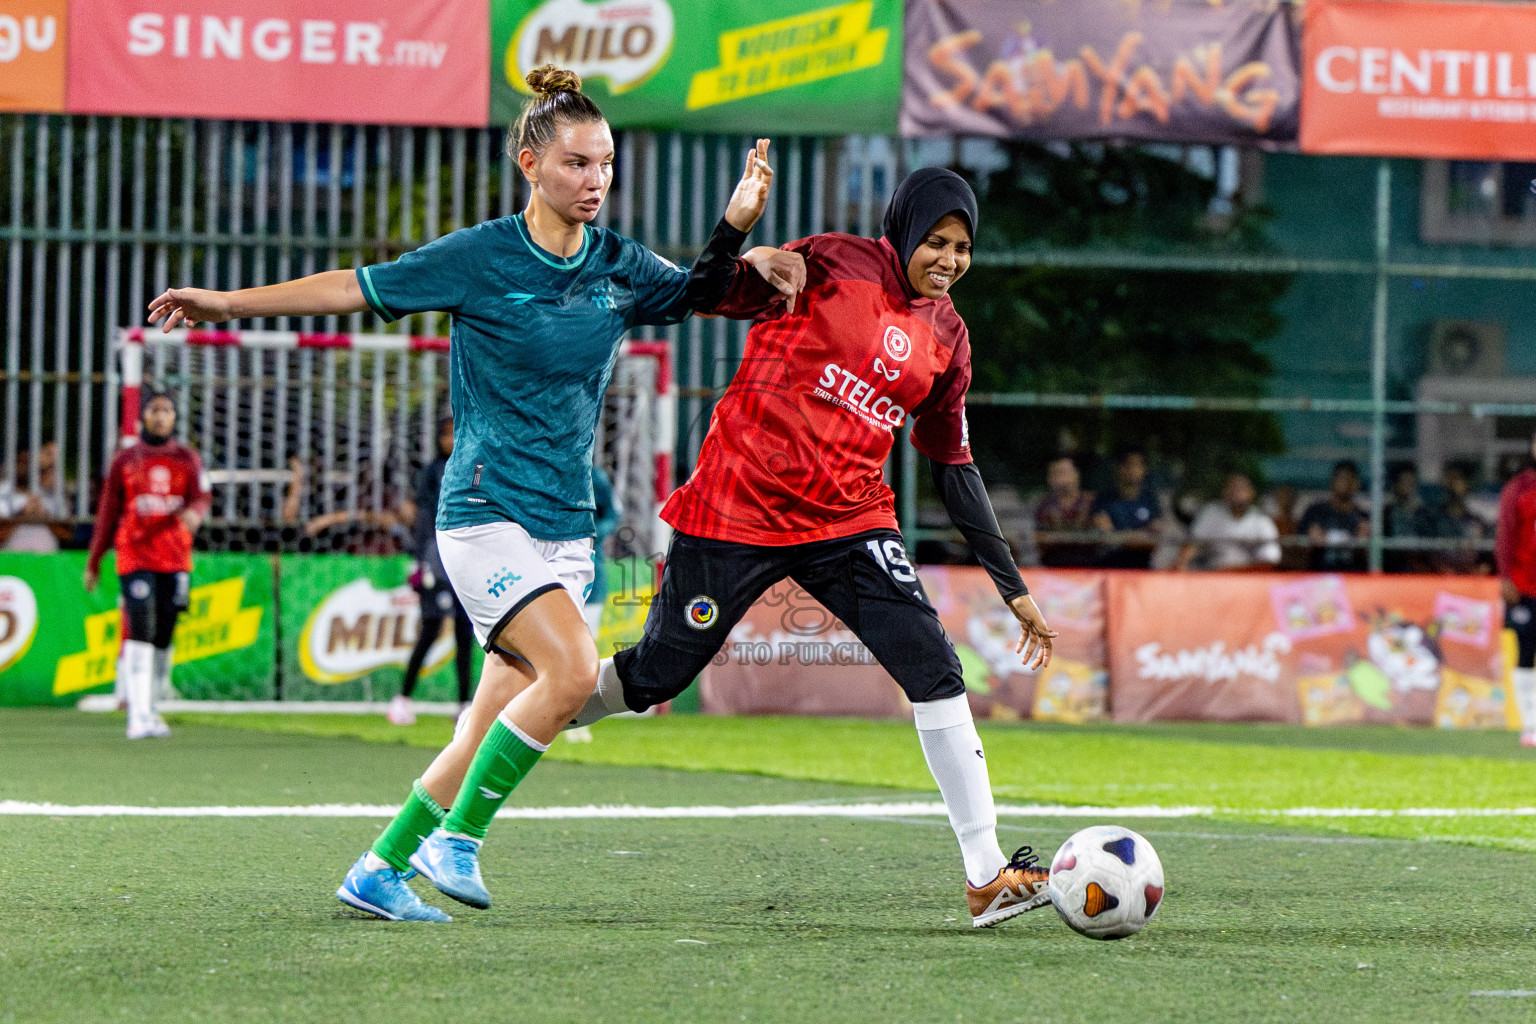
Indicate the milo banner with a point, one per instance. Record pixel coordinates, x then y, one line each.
1320 650
58 643
788 655
1180 70
350 622
793 67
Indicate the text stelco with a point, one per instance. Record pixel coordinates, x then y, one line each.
858 396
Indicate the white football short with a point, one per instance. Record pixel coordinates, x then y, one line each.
496 569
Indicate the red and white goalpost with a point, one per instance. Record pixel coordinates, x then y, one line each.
355 411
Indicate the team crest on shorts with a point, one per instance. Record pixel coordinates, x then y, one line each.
701 611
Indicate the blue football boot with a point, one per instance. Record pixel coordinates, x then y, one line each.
383 893
452 863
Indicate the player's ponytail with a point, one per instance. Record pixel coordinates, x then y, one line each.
557 99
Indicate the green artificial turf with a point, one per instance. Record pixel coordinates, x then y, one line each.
751 919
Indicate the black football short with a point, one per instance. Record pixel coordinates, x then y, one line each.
151 602
864 580
1521 617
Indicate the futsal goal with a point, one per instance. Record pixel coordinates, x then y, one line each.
293 426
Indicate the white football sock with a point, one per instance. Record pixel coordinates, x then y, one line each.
1525 697
137 669
607 699
162 675
373 862
953 750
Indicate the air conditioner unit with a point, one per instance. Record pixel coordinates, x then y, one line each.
1466 348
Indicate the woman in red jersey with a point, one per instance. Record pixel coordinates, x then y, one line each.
789 484
155 498
1515 551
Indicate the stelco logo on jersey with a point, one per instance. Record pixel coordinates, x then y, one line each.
843 387
160 502
623 41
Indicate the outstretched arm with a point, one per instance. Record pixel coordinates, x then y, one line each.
715 271
965 499
330 292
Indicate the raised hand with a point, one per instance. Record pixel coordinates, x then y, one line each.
189 306
751 196
1034 635
781 268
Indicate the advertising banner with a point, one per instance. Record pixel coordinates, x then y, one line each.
387 62
788 655
803 67
1178 71
1320 650
1448 80
58 643
32 37
350 622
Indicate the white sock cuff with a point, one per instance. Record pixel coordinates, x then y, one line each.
946 713
610 688
535 744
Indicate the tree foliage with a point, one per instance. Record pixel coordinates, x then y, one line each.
1045 329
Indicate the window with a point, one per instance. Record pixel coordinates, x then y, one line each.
1479 202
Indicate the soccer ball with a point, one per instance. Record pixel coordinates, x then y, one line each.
1106 882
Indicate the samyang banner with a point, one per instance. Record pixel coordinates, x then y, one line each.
1315 650
1177 71
790 656
59 643
802 67
32 34
385 62
1442 80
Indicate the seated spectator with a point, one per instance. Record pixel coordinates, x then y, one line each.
1452 519
1066 508
1282 509
1332 523
1130 507
1232 534
31 520
355 531
1402 518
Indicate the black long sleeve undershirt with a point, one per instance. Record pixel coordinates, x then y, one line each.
714 271
965 499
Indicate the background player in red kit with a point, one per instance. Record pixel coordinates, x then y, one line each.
154 500
1515 550
789 484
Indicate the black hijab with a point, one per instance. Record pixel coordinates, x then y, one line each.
920 202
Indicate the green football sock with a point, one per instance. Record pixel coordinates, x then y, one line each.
419 816
505 757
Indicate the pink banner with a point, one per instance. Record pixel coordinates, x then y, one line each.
1319 650
388 62
790 656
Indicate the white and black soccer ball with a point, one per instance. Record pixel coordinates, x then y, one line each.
1106 882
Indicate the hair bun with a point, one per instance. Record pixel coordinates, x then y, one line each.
548 80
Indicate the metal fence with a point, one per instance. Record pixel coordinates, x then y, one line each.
100 214
105 213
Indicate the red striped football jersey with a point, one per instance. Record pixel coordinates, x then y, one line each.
797 445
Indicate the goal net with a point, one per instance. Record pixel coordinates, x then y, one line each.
311 441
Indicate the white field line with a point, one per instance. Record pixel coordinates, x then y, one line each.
803 810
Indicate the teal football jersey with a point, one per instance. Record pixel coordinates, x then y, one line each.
533 342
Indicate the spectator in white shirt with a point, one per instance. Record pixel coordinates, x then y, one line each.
1231 533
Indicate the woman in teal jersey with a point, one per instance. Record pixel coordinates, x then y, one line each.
539 303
